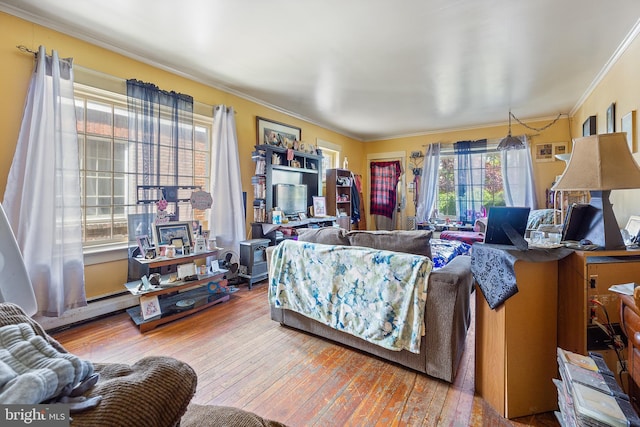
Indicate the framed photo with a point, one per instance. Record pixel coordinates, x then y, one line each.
302 216
628 125
144 244
611 118
164 233
150 306
589 126
544 152
559 148
319 206
269 132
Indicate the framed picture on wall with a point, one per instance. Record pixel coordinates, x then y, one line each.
611 118
628 125
589 126
544 152
560 148
270 132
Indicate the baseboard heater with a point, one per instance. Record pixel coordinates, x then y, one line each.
97 308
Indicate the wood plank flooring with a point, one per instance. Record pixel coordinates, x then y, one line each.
246 360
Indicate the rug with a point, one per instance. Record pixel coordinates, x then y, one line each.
211 415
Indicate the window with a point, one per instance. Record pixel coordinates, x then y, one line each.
109 180
485 188
330 156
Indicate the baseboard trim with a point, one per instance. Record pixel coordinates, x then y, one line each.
91 311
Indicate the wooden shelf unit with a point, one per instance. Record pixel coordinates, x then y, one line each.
170 293
339 196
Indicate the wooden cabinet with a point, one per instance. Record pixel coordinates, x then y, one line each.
516 344
631 326
277 165
583 277
173 294
338 195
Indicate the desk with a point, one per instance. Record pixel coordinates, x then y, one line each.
516 341
262 230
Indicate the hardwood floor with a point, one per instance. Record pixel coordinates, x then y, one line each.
246 360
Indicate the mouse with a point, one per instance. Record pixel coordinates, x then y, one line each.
585 242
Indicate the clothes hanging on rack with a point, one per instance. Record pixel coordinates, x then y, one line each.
362 223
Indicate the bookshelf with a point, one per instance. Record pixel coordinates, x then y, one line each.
339 196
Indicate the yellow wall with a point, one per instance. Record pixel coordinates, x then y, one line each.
622 86
545 172
14 80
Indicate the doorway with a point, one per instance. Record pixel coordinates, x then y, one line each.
400 205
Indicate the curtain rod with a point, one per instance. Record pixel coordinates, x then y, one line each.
25 49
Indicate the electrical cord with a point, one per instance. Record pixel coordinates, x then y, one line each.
616 341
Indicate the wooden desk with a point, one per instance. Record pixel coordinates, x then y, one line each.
516 344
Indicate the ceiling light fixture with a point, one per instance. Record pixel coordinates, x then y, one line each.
510 142
514 143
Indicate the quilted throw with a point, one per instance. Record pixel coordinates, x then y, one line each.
376 295
32 371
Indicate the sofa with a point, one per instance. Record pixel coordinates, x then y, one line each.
446 310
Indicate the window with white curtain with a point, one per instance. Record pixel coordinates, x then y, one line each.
488 192
108 190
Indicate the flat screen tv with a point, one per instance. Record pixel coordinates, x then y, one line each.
506 224
290 198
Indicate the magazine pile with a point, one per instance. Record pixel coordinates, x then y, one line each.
588 394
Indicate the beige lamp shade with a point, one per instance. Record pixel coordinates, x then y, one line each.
600 162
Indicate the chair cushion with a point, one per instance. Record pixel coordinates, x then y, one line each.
155 391
325 236
409 241
211 415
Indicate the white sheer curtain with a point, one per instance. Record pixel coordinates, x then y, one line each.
428 191
517 173
42 198
227 217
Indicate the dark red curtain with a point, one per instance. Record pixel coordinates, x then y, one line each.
384 184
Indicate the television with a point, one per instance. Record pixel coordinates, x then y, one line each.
506 225
290 198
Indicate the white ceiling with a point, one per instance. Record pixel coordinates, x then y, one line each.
368 69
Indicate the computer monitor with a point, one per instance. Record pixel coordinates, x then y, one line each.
506 225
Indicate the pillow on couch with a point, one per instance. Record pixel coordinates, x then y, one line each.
325 236
409 241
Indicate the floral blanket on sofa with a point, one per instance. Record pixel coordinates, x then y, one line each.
373 294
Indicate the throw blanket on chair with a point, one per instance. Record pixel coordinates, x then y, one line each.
32 371
376 295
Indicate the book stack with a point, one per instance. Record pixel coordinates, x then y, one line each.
588 394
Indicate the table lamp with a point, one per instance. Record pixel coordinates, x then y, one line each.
599 164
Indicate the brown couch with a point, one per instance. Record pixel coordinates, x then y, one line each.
447 312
